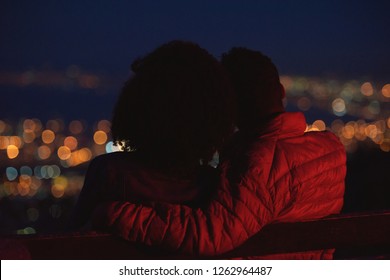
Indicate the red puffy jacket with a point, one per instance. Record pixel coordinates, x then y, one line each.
284 174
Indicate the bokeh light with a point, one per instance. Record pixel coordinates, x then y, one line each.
371 131
29 125
385 145
11 188
57 190
320 125
104 125
4 142
29 136
11 173
348 131
12 151
84 154
386 90
59 186
27 230
100 137
71 142
26 170
338 106
367 89
54 125
48 136
360 130
2 126
76 127
43 152
24 185
16 141
64 153
35 185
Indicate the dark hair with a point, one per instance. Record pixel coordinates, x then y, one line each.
256 83
176 110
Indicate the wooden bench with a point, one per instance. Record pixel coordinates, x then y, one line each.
355 236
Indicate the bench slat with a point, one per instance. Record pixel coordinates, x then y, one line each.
361 235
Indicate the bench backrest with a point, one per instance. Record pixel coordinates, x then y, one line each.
355 236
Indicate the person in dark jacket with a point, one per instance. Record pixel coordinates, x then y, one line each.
173 114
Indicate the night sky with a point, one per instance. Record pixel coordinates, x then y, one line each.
339 39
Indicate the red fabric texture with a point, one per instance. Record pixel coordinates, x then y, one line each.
129 180
121 177
283 175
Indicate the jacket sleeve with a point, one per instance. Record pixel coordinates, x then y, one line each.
226 223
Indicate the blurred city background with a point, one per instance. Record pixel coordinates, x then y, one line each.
63 65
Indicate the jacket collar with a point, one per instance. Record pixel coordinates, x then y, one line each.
292 124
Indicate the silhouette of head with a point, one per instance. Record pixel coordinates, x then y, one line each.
256 83
176 109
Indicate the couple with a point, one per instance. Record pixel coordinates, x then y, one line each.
211 156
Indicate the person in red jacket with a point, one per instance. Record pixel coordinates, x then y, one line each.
173 113
272 171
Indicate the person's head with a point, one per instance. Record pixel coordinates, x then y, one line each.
256 83
176 110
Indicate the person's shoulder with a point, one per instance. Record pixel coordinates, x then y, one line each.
326 137
115 158
325 143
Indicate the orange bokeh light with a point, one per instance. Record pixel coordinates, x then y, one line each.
29 136
44 152
3 125
348 131
84 154
64 153
386 90
71 142
4 142
29 125
385 146
100 137
320 125
24 185
12 151
76 127
16 141
57 190
104 125
367 89
48 136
